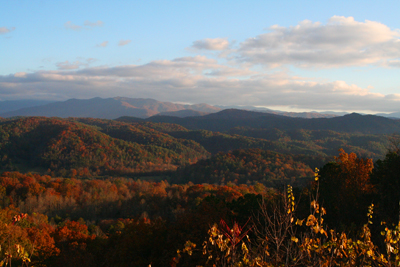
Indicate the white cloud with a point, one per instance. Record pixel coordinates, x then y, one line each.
211 44
4 30
340 42
124 42
70 25
103 44
98 23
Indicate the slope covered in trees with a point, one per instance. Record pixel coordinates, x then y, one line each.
326 142
71 148
246 167
296 142
98 199
227 130
95 147
150 134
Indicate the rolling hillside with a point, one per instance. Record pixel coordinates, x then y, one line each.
69 148
246 166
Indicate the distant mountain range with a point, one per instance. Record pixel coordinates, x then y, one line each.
112 108
11 105
308 115
183 113
228 119
391 115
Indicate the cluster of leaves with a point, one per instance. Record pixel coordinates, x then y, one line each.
286 240
30 240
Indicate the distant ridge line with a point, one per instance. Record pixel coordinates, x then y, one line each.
112 108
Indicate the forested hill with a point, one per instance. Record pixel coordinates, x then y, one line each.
247 166
87 147
323 143
297 142
69 148
228 119
150 134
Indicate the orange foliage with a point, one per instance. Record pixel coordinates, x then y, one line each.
357 170
73 232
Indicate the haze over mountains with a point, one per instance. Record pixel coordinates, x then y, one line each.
11 105
112 108
109 108
233 118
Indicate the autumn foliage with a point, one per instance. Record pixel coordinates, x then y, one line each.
89 192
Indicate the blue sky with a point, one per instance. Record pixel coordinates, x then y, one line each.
291 55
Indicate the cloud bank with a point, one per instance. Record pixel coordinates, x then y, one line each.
195 79
338 43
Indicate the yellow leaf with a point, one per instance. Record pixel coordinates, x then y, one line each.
323 211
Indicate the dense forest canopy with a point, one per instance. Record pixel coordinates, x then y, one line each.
96 192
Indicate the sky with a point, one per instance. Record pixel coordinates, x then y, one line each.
286 55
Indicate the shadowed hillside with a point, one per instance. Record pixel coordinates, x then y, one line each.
228 119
